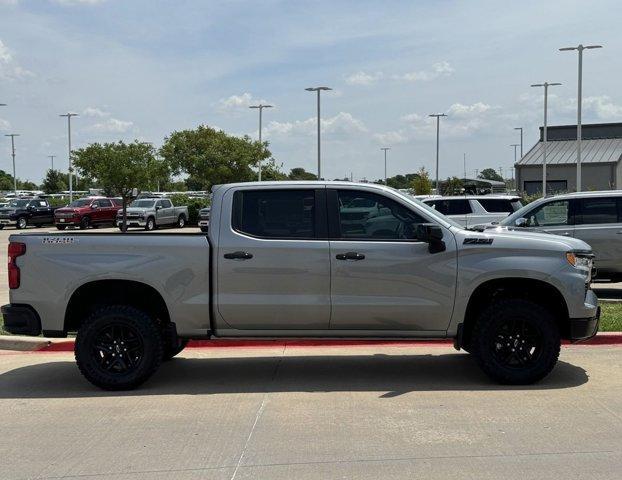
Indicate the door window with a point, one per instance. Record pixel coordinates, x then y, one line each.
499 205
598 210
279 213
549 215
104 203
166 204
451 207
369 216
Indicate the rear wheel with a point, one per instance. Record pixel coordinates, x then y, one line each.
181 221
516 341
118 347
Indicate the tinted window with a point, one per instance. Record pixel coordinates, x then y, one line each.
549 214
84 202
275 213
166 204
382 219
142 203
451 207
498 205
598 210
104 203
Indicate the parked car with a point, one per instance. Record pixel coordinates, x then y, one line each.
594 217
151 213
204 218
472 210
87 212
22 212
277 263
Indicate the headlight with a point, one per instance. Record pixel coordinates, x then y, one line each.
581 261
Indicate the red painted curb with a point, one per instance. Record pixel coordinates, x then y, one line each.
67 346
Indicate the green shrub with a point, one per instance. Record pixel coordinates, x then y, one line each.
194 204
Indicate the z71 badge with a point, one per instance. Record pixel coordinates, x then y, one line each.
59 240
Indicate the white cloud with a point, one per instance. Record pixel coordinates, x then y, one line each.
112 125
9 68
239 102
411 117
78 2
341 124
362 78
440 69
461 110
392 138
601 106
94 112
5 124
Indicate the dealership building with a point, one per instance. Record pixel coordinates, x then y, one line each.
601 159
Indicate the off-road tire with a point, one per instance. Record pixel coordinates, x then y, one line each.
90 359
490 340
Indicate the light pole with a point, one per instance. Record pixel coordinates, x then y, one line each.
580 49
260 107
521 140
318 90
69 115
546 86
13 135
385 149
515 145
438 117
51 157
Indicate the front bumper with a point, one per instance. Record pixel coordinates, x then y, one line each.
21 320
8 221
584 328
67 221
203 223
132 223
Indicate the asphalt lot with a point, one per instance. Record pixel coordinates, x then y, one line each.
314 412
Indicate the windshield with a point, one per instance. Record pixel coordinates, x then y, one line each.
143 203
18 203
520 213
84 202
429 209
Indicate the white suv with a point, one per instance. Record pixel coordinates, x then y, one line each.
470 210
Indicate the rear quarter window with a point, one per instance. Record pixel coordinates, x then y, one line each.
495 205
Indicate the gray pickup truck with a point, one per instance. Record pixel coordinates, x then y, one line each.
281 261
151 213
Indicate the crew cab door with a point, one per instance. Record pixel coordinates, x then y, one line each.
272 256
40 212
382 276
554 216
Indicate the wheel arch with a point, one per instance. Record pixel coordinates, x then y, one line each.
538 291
98 293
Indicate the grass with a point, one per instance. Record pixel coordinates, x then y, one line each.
610 318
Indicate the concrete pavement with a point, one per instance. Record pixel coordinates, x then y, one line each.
322 412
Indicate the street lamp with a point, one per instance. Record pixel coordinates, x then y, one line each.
438 117
69 115
521 140
546 86
385 149
260 107
514 166
318 90
13 135
51 157
580 49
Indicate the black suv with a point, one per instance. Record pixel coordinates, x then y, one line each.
22 212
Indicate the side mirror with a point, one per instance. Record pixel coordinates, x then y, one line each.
158 207
433 235
520 222
94 207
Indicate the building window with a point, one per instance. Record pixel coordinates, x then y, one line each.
533 187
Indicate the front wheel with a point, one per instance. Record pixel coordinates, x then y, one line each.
516 341
84 223
204 229
150 225
61 227
118 347
22 222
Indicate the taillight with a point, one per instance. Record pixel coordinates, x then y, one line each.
16 249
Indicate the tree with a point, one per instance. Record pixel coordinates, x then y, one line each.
6 181
300 173
211 157
120 167
490 174
271 171
55 181
452 186
421 184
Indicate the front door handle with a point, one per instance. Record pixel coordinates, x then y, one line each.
238 256
350 256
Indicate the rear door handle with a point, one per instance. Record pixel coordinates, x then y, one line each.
350 256
238 256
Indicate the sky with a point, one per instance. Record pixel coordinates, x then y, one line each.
141 69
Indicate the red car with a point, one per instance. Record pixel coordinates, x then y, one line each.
86 212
